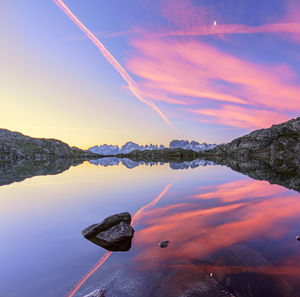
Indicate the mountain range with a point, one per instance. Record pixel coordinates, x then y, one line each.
130 146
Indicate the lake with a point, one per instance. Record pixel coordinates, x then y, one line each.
229 235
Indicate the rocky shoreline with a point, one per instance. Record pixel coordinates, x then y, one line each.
16 146
271 154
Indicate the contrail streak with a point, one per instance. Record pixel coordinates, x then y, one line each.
153 202
107 254
109 57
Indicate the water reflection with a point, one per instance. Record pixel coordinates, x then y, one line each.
287 175
19 170
113 161
232 238
228 234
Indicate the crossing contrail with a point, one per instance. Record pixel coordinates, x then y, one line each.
109 57
107 254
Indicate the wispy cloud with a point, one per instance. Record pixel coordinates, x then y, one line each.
291 28
109 57
209 81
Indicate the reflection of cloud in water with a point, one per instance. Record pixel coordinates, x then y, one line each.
242 234
113 161
102 260
236 237
200 229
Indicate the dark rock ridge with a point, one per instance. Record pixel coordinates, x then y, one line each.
16 146
164 155
114 233
278 145
271 154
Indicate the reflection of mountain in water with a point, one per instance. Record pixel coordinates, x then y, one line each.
111 161
289 177
18 170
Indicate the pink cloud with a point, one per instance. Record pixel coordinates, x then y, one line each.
242 117
202 30
201 77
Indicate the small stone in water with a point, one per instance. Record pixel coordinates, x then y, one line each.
298 237
164 243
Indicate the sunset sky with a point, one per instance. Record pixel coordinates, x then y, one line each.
151 71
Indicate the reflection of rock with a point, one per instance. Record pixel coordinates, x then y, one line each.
114 233
130 164
18 170
107 161
191 164
110 161
256 169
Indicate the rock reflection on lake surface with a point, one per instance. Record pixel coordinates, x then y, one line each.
229 235
18 170
113 161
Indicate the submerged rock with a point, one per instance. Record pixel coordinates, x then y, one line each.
114 233
164 244
97 293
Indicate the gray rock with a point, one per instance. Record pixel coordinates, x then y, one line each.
110 221
271 154
279 142
116 238
114 233
97 293
16 146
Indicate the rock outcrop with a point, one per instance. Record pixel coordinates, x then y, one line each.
16 146
271 154
278 145
114 233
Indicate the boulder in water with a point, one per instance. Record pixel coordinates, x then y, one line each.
114 233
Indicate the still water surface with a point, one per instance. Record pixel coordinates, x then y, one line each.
228 234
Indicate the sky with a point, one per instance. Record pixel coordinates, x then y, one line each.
148 71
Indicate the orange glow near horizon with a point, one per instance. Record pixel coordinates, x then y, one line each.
109 57
107 254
